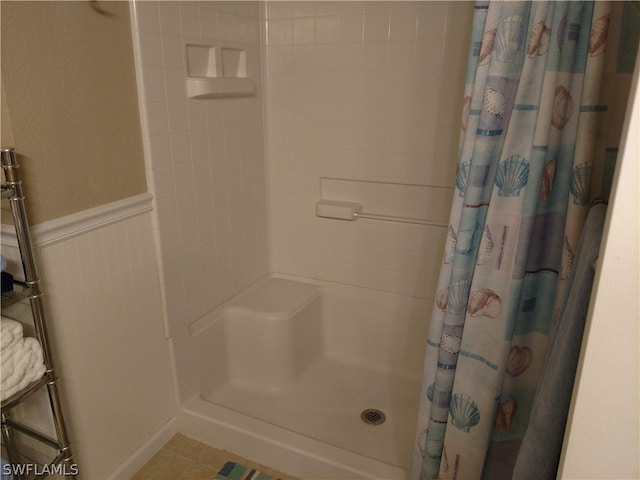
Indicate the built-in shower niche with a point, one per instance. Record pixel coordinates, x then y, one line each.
217 71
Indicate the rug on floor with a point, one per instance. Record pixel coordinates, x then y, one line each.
234 471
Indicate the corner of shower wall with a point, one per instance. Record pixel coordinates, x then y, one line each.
204 157
135 17
264 68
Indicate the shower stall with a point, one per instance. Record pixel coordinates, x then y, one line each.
298 328
306 371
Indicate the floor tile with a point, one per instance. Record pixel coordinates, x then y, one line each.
183 458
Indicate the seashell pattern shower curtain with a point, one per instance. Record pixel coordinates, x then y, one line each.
534 152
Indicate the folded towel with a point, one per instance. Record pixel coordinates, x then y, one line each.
10 332
21 359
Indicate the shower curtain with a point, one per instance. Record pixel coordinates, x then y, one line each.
532 156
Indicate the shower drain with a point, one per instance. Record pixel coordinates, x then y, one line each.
373 416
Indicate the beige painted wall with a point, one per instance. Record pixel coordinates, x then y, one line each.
69 82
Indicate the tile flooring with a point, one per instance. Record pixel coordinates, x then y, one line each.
183 458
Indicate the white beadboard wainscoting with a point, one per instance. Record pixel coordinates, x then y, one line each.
102 292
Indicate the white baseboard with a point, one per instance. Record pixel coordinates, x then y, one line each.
143 454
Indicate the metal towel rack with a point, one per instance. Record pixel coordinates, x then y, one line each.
30 289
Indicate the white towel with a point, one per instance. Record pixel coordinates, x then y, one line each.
10 333
21 359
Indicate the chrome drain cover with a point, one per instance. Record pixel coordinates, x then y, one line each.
373 416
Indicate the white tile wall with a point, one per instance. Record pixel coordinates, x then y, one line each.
205 158
366 91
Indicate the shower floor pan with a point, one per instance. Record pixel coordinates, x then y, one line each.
327 403
301 362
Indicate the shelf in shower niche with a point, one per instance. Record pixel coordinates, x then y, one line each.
219 87
215 71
